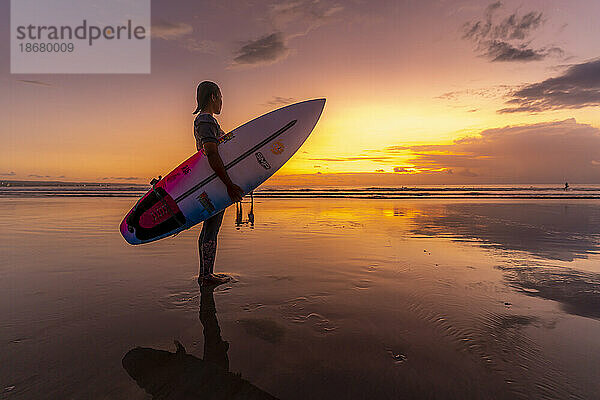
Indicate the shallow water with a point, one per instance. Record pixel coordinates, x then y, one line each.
331 298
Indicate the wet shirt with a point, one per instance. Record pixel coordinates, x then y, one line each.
206 129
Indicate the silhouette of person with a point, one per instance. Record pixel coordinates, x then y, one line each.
207 133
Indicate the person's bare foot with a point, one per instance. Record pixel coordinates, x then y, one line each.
213 279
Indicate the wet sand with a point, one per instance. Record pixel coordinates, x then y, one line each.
331 298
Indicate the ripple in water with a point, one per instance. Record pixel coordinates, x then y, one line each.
182 300
316 321
501 343
577 291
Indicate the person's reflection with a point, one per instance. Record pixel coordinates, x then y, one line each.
215 348
179 375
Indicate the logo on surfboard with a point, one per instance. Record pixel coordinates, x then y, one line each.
262 160
226 137
205 201
277 147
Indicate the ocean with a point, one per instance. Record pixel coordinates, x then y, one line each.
542 191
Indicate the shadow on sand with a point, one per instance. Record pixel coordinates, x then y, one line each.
180 375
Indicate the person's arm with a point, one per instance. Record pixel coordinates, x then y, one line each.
216 163
214 159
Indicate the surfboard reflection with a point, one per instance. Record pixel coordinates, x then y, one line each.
239 219
180 375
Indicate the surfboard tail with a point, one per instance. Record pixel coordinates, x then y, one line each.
155 215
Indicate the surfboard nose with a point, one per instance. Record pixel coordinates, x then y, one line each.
313 108
321 103
316 109
318 103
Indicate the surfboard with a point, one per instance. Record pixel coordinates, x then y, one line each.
192 192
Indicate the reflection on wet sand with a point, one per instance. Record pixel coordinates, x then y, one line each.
179 375
239 211
265 329
551 231
577 291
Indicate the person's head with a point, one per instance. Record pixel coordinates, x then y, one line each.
208 96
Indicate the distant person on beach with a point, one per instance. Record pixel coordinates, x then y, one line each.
207 132
566 185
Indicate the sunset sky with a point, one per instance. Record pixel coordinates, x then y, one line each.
418 92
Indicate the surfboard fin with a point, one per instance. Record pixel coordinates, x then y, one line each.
154 181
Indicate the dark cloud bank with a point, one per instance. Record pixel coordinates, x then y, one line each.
549 152
543 152
578 87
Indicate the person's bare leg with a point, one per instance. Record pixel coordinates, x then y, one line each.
201 271
208 250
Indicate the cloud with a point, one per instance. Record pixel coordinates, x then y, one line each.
466 172
33 82
120 178
264 50
464 97
287 20
199 46
304 15
38 176
357 158
498 50
404 170
181 32
578 87
543 152
513 27
507 40
170 30
279 101
11 173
